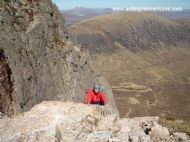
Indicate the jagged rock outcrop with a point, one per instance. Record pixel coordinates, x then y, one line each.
68 122
36 60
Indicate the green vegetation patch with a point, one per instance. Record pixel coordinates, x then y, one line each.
58 39
176 125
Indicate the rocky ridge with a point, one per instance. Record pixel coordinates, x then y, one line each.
68 122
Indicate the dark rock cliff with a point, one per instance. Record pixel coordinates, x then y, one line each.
36 61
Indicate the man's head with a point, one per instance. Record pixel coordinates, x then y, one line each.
96 88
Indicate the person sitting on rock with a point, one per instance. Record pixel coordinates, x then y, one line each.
96 96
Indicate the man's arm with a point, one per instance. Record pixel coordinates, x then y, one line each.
89 97
104 99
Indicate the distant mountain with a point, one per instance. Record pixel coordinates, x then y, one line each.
78 14
133 30
185 14
81 11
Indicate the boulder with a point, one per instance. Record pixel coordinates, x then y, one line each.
180 136
160 132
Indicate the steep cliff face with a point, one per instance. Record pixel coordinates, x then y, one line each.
37 60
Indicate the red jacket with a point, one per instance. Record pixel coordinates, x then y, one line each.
93 98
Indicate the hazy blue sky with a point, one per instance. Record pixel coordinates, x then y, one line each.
69 4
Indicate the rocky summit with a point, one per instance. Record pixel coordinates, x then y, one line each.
76 122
